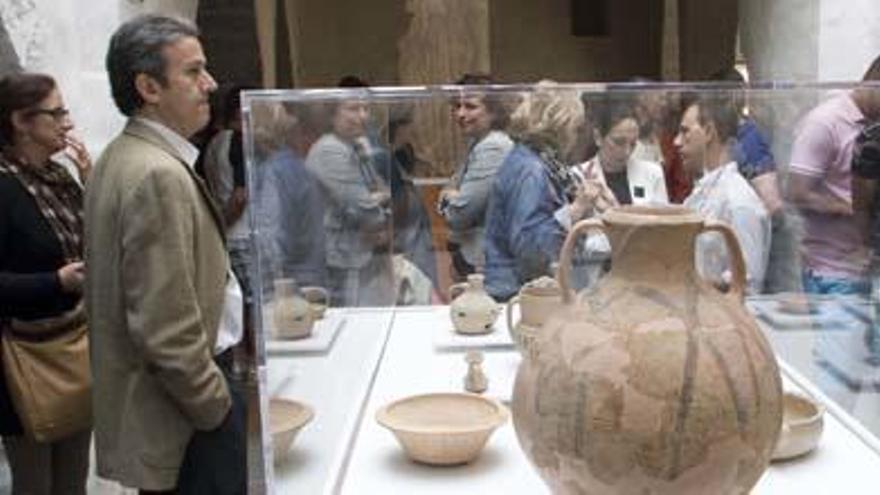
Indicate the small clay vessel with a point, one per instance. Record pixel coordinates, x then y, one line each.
292 314
473 311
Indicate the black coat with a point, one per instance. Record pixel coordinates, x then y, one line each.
30 255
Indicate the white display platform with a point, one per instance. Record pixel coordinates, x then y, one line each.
447 339
843 463
335 385
324 333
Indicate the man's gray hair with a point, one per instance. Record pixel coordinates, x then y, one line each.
136 48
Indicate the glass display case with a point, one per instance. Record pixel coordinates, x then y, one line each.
628 255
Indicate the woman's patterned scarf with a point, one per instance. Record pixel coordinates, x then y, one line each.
560 173
58 197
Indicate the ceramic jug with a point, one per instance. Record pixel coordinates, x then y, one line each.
318 298
537 300
292 314
653 381
473 311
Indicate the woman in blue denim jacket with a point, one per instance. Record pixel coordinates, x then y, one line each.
532 190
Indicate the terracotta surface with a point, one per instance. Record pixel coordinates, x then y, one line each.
472 310
654 381
286 419
537 300
443 429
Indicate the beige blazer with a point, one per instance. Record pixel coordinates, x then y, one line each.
156 268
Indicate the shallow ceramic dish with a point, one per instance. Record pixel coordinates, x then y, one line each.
443 429
286 419
801 427
796 303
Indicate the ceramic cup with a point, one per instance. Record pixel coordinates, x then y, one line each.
293 316
318 298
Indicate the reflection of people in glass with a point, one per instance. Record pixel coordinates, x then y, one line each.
866 166
708 128
615 177
290 209
835 247
41 272
629 179
482 119
658 124
412 226
225 174
752 151
357 217
757 165
533 187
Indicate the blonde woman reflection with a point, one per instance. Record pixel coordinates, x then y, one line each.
533 188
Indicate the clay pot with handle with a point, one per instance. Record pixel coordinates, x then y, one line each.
653 381
537 301
318 298
292 314
473 311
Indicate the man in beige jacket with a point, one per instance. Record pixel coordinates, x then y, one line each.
166 420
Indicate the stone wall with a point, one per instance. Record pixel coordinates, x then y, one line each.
8 58
62 38
533 40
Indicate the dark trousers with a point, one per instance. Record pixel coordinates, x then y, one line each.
215 461
57 468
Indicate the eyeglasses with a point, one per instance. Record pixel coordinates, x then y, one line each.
59 113
621 141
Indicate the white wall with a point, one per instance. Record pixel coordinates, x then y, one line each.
849 38
68 39
809 40
779 38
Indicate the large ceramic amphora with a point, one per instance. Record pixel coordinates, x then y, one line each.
654 381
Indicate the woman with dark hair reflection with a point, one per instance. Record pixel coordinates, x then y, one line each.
357 215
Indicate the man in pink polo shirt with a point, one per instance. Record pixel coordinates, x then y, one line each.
835 245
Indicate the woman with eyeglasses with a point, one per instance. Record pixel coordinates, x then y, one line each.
615 176
41 274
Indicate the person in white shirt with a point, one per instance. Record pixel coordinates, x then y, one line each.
708 127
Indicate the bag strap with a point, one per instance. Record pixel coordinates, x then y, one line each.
46 329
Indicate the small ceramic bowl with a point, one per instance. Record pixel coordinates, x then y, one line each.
795 303
801 426
443 429
286 419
